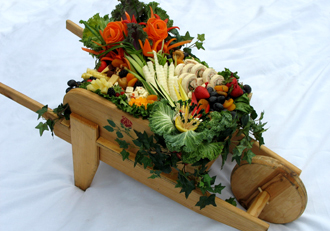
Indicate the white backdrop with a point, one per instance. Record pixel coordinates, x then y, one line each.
281 48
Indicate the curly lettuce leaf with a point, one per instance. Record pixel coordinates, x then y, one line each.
161 119
140 10
132 7
220 126
204 151
91 31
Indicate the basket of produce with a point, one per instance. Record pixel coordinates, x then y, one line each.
153 110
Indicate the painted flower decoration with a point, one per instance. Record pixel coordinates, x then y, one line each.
126 122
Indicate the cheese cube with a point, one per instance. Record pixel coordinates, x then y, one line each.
129 89
145 94
134 94
139 88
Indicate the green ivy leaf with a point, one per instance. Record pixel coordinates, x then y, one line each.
232 201
108 128
124 154
187 37
248 155
238 150
199 45
42 111
155 174
206 182
122 143
50 123
201 37
206 200
42 127
218 188
186 184
146 162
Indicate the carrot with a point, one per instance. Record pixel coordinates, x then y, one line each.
99 45
132 82
146 48
139 102
106 58
128 64
155 45
90 51
178 44
130 76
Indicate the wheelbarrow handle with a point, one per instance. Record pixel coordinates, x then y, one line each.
26 101
74 28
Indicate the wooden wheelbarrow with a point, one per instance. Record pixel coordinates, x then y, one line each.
269 189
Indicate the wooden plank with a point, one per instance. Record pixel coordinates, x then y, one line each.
98 110
62 130
74 28
26 101
84 150
224 212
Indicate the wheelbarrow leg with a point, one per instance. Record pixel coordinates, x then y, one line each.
85 151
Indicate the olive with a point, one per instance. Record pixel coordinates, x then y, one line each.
210 89
68 89
247 88
221 99
212 99
218 107
72 83
214 93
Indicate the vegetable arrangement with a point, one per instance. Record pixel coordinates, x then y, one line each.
145 67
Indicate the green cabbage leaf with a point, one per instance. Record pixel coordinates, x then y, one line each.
161 119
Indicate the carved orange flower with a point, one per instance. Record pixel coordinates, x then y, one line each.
156 29
113 32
